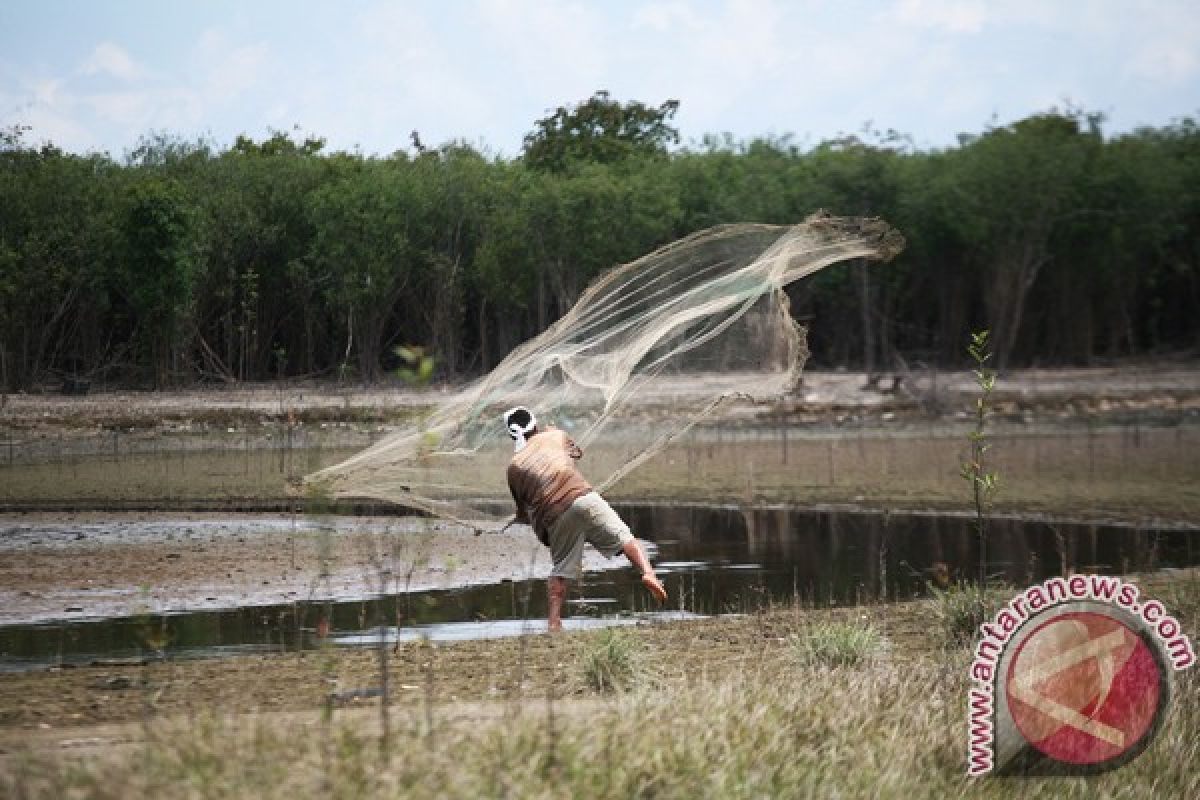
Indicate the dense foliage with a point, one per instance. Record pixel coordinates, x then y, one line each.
276 258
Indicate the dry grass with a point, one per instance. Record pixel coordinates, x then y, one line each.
731 713
837 644
960 609
779 730
613 659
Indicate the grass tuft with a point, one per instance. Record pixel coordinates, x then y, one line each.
962 608
612 659
837 644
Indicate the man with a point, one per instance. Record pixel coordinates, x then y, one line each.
565 512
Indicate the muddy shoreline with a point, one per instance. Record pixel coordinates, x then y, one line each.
81 566
57 707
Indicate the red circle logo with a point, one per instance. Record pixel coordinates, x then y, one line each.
1084 689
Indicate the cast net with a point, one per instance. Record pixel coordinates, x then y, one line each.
650 349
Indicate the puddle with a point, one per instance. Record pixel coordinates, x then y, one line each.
501 628
713 560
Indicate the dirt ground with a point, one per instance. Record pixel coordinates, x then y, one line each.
57 701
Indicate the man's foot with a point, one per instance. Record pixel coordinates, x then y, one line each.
655 587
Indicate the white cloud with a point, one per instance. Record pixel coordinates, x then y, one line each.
225 68
749 36
46 105
489 68
558 49
47 91
133 110
1164 62
951 16
111 59
1166 47
404 75
666 16
177 109
62 129
110 99
713 61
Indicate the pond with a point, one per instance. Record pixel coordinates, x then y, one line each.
713 559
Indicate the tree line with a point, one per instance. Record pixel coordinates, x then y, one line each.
183 262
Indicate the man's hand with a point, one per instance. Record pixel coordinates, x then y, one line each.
655 587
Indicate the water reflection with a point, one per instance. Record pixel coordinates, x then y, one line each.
846 555
500 628
713 559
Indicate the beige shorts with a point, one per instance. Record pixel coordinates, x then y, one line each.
592 520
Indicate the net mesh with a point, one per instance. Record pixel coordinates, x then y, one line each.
650 349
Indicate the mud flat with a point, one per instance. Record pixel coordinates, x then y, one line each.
1166 385
77 566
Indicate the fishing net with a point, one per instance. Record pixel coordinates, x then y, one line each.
649 350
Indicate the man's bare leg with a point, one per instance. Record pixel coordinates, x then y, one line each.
637 556
556 591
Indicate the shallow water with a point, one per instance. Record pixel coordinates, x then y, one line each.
713 559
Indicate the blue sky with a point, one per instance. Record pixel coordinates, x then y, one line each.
97 75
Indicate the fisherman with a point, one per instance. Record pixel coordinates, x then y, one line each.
553 497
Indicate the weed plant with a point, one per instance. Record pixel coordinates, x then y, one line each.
837 644
612 659
960 609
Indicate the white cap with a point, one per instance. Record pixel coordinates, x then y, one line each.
520 422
